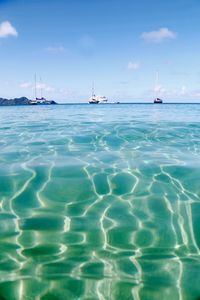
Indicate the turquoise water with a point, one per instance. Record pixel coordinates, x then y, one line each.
100 202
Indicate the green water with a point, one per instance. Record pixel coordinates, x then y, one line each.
100 202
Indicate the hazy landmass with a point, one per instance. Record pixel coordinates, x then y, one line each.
19 101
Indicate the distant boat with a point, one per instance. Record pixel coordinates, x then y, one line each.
33 102
41 100
97 99
157 100
93 100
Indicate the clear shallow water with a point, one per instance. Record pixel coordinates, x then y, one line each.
100 202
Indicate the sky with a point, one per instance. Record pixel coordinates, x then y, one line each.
119 45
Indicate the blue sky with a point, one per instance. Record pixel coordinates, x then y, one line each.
117 44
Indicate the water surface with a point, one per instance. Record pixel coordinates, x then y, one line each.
100 202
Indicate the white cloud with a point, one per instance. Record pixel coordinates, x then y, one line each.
25 85
45 87
69 94
158 36
6 29
183 90
59 49
159 89
133 65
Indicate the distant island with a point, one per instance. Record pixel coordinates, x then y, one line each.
22 101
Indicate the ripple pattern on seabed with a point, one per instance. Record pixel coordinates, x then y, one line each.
99 203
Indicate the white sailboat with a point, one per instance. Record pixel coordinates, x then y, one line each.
39 100
96 99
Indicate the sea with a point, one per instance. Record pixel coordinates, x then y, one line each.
100 202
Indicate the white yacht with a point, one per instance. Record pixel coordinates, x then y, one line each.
93 100
97 99
38 101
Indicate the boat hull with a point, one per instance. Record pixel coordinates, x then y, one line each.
158 101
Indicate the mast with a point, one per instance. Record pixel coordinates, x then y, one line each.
41 90
35 86
156 84
93 90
